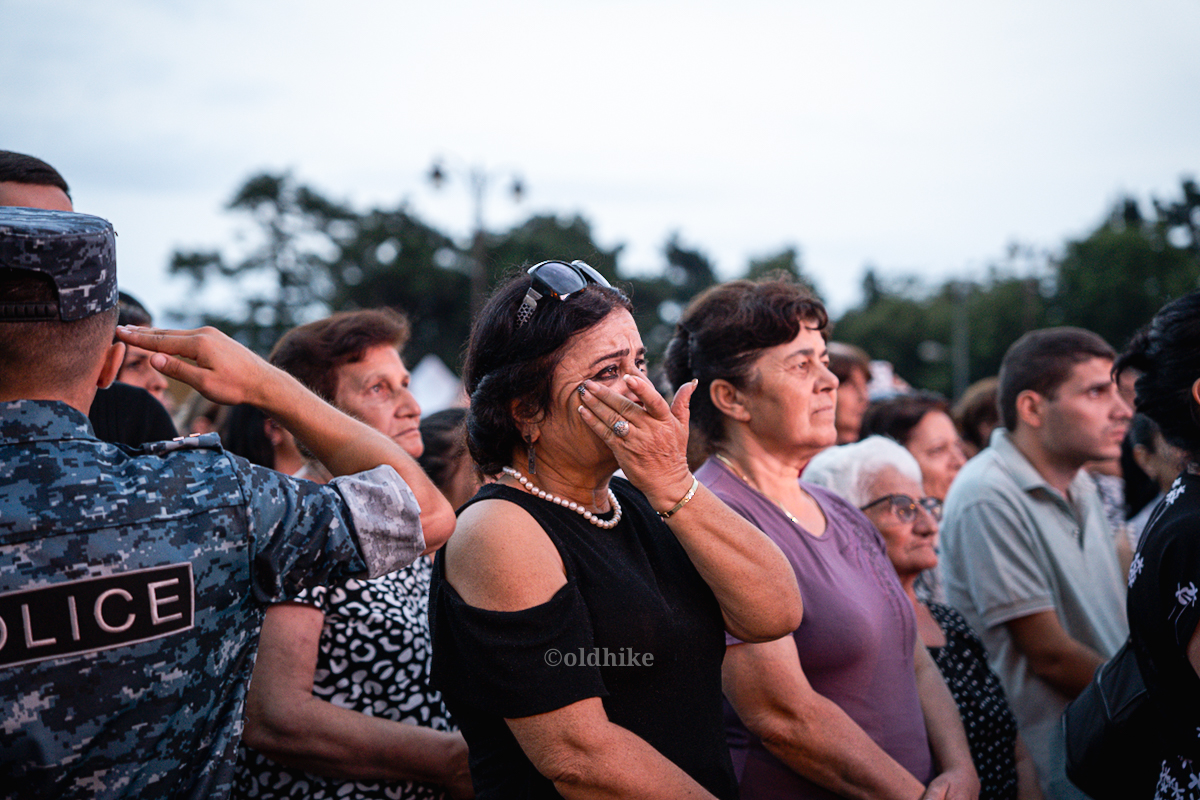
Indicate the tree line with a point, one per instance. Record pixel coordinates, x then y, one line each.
313 255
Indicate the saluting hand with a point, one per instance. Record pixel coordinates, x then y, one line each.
205 359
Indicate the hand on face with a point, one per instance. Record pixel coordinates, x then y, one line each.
575 442
651 448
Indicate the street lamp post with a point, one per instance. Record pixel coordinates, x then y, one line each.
960 339
477 179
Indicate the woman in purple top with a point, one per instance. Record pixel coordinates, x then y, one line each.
850 704
881 477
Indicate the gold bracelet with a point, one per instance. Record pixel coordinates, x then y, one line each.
690 494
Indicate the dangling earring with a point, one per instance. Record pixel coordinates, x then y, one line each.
532 456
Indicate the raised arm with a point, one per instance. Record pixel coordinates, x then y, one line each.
805 730
751 579
226 372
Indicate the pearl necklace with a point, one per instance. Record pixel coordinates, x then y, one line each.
606 524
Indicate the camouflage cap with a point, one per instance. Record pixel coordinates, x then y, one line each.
77 251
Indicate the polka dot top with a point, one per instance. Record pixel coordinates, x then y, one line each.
989 722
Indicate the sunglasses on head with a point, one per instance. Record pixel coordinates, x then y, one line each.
558 279
905 508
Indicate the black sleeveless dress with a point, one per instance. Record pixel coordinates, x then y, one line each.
635 625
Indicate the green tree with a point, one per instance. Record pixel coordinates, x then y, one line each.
394 259
545 237
1000 311
313 256
689 270
434 289
1182 216
659 299
1114 280
299 229
912 325
901 316
787 262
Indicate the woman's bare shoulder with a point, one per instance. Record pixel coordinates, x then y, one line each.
499 558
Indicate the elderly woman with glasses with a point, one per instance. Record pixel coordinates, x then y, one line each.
578 618
849 704
884 480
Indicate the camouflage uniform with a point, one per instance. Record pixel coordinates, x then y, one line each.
133 582
132 587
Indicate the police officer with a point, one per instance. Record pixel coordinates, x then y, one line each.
122 413
133 582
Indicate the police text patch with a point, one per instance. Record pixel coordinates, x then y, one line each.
93 614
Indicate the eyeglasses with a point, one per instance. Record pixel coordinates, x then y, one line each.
905 508
557 279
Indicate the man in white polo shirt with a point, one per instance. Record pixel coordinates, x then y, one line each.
1029 557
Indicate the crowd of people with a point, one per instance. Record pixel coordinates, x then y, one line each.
761 574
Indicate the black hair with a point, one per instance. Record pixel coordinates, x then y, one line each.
895 417
1141 431
48 353
243 433
1166 353
508 370
444 435
20 168
1041 361
725 329
131 311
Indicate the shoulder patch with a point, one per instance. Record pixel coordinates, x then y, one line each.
196 441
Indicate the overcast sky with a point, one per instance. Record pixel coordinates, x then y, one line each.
921 137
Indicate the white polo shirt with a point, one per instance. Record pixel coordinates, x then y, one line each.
1012 546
